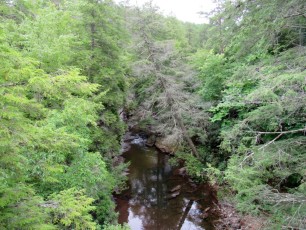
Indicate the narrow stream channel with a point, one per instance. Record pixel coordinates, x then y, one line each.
147 203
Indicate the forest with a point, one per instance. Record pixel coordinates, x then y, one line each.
228 99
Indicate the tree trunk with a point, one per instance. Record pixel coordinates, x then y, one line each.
170 101
185 134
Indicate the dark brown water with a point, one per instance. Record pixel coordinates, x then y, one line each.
146 204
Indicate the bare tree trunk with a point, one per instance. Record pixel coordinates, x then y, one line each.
92 30
185 134
92 45
170 100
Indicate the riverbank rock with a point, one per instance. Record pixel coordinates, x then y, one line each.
176 188
173 195
165 145
204 215
118 160
180 172
145 130
125 147
151 141
232 220
129 136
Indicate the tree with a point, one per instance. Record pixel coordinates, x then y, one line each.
167 96
213 71
49 113
250 29
261 110
34 150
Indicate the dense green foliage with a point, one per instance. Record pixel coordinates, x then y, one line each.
228 97
252 69
250 63
60 127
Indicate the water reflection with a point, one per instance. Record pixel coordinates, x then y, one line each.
146 204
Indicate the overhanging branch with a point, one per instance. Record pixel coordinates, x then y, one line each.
282 132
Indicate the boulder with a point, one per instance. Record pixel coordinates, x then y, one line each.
176 188
165 145
173 195
125 147
151 140
180 172
204 215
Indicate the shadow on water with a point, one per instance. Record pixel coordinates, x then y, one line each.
146 204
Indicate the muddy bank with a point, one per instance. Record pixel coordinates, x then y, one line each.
231 219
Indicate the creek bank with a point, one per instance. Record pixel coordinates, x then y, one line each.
164 144
220 215
231 219
160 196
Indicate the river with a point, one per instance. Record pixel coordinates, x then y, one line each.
147 203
